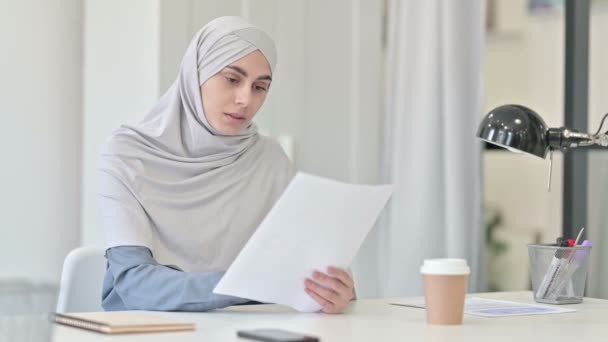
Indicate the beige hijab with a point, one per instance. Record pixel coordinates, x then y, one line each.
175 185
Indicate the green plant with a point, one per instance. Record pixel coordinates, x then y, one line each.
493 222
495 247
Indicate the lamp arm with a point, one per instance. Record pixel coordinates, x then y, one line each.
574 138
564 138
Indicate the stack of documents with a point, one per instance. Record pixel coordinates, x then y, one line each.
120 322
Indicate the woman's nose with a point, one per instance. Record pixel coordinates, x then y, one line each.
243 96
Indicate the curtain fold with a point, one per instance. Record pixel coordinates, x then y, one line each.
431 155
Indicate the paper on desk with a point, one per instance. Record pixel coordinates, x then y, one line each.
493 307
316 223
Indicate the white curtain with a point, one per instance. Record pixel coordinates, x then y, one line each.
432 157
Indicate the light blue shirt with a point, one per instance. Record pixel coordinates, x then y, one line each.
135 281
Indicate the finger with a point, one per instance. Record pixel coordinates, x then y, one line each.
342 275
324 292
324 303
332 283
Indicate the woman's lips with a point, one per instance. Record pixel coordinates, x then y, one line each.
234 117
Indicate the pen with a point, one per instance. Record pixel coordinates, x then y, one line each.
559 261
564 262
550 274
561 242
565 278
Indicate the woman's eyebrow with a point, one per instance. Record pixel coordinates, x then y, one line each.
244 73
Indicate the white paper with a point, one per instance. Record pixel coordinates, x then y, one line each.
493 307
316 223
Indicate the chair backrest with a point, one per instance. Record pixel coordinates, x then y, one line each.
81 280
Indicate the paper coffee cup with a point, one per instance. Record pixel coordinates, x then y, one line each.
445 283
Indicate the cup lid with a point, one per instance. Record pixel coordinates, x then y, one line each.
445 266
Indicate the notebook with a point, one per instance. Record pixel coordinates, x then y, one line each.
119 322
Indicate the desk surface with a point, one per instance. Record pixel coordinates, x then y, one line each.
376 320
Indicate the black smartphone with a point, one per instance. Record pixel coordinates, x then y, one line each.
275 335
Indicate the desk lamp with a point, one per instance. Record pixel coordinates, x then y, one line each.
520 129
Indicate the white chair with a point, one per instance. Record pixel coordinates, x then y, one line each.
81 280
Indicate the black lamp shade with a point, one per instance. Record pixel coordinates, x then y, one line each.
516 128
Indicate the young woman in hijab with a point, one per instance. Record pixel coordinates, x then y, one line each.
182 191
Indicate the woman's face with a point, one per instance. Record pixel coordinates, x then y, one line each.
233 96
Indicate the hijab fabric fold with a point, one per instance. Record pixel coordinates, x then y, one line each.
174 184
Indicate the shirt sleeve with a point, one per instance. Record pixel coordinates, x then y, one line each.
135 281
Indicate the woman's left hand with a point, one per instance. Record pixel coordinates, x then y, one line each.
332 291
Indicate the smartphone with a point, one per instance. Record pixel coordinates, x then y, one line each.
275 335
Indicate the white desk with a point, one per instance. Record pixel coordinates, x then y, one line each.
375 320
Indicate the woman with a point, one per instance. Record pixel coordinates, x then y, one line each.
182 191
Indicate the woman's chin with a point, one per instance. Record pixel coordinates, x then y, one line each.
232 125
230 130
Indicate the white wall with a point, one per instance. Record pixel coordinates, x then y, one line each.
598 160
121 83
597 224
598 66
40 93
179 21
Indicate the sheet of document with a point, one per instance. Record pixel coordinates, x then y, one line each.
494 308
315 223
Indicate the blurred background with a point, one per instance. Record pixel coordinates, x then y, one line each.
71 71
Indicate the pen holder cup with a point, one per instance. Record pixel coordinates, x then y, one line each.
24 310
558 274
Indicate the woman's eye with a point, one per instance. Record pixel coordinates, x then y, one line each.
260 88
231 79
